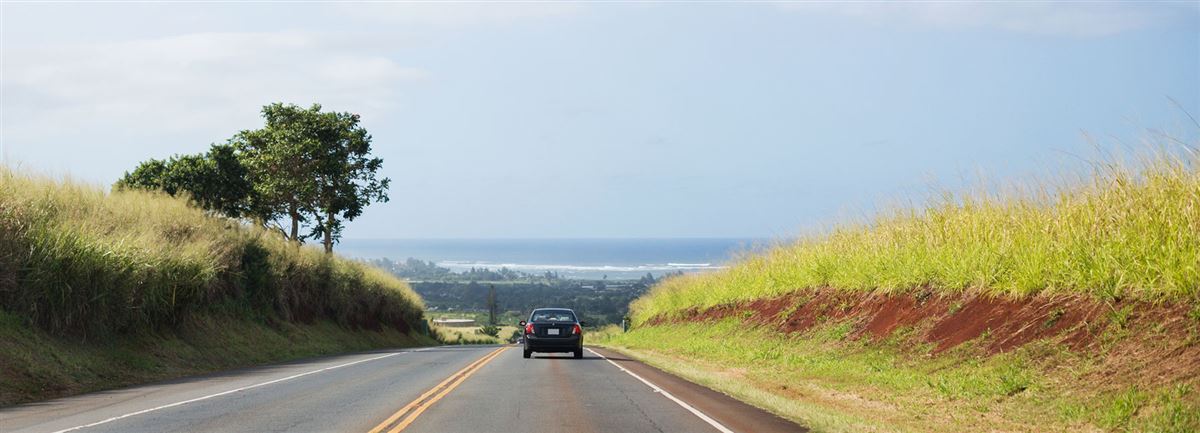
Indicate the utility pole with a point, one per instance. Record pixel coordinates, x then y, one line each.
491 304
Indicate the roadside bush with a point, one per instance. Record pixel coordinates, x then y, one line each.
489 330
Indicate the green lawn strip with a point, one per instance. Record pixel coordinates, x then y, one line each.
830 383
37 365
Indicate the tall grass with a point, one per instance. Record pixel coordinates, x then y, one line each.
1129 229
77 259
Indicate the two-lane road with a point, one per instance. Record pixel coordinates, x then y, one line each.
442 389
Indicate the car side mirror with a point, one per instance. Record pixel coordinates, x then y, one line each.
582 323
521 324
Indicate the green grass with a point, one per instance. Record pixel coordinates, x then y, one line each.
1129 230
104 283
831 383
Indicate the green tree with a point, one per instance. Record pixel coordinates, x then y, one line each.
281 158
346 181
215 181
308 165
150 174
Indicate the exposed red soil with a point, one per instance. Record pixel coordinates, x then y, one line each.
948 320
1011 323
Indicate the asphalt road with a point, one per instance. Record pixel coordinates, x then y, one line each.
473 389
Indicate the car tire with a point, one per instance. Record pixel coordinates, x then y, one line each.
578 353
526 354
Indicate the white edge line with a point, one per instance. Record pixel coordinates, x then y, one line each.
181 403
666 394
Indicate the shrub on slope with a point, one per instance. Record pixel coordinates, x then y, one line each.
1129 230
76 259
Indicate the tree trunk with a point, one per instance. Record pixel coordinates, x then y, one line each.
328 232
295 223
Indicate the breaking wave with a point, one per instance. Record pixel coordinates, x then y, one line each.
538 268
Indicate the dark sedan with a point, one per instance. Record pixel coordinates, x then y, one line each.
553 330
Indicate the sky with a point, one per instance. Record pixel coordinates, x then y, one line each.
629 119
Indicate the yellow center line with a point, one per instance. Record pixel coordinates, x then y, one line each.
416 407
420 409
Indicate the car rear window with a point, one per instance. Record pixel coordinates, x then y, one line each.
553 316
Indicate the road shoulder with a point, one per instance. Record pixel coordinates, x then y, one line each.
728 411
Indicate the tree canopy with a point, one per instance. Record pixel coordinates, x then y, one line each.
345 172
305 167
216 181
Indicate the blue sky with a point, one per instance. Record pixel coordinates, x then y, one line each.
612 120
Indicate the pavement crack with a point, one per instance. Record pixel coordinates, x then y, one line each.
642 412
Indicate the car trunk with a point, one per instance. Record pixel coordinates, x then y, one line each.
552 330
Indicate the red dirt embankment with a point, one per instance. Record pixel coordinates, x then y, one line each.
1153 343
1161 334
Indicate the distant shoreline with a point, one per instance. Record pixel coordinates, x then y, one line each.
594 258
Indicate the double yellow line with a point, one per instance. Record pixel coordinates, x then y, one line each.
409 413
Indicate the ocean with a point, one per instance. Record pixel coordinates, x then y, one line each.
570 258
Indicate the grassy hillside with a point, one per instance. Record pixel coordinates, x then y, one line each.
79 264
1066 307
1128 230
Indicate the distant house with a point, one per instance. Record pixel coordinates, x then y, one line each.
455 323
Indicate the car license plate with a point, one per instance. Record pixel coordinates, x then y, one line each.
552 331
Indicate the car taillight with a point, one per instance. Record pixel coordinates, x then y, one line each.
576 330
528 328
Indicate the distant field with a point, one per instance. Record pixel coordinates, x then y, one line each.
471 335
1129 230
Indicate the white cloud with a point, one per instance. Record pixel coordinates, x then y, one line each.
457 14
1045 18
193 82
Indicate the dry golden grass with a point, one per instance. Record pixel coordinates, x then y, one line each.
79 259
